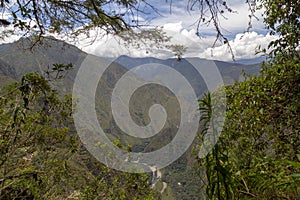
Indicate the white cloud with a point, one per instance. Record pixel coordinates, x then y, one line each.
183 32
233 23
10 33
244 45
10 37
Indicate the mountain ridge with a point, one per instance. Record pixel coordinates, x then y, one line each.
15 61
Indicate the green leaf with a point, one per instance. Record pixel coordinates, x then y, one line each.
295 175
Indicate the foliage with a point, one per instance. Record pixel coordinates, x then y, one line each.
38 18
40 157
35 145
59 16
282 17
256 154
210 12
256 157
178 51
111 184
217 177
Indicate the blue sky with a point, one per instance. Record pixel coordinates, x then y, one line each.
236 22
180 25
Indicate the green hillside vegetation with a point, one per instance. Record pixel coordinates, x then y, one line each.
262 131
46 53
42 158
41 59
258 153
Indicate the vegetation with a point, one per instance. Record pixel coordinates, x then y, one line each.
256 157
90 19
35 147
258 153
41 158
259 146
65 16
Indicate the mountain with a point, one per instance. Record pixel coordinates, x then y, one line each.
23 57
19 58
230 72
250 61
7 73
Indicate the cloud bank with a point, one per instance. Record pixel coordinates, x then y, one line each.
179 23
183 32
244 45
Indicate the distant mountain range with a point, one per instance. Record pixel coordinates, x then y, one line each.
19 58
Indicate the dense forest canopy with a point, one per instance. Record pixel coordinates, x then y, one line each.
257 156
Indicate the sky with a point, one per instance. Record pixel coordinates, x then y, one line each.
179 23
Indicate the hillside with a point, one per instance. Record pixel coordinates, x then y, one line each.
18 58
